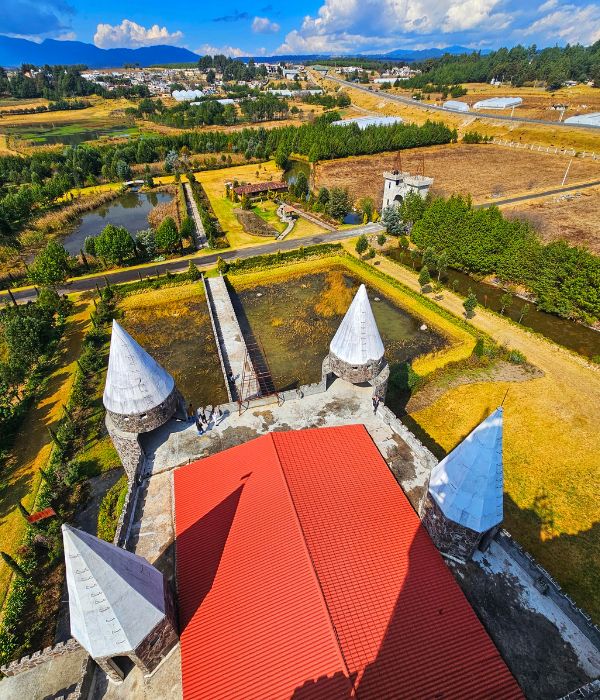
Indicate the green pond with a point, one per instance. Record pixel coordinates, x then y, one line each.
179 336
294 320
68 134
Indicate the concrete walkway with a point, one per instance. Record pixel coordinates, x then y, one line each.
235 362
312 218
192 208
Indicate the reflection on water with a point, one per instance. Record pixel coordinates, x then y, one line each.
179 337
572 335
295 320
129 210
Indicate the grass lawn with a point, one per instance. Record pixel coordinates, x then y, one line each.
214 181
32 446
267 211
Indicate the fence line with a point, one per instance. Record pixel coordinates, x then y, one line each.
570 152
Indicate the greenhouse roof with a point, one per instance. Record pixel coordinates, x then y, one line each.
498 103
456 106
364 122
591 119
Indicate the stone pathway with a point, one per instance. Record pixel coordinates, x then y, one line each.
193 211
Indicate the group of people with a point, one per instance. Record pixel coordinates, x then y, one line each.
202 419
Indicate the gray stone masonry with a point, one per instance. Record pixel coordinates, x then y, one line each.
355 374
26 663
155 417
449 537
128 448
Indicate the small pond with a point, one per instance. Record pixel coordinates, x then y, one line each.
353 217
294 168
295 320
178 334
570 334
129 210
68 134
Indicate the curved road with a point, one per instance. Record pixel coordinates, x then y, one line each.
478 115
537 195
202 261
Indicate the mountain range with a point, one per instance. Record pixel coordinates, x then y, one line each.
14 52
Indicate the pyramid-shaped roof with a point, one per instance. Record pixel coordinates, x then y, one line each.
115 597
357 340
135 382
468 483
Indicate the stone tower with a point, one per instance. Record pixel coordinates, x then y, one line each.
119 604
398 184
356 352
139 396
463 509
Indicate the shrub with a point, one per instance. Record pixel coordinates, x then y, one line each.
167 236
114 244
110 509
362 244
516 357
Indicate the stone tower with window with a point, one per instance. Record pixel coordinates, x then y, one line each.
139 396
119 605
356 353
397 185
463 509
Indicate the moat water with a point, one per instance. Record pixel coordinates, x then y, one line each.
570 334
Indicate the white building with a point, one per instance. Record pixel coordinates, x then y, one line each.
398 184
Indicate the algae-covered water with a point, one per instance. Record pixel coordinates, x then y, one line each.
177 333
295 320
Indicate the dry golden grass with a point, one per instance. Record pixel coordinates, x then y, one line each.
32 446
481 170
551 448
100 111
571 217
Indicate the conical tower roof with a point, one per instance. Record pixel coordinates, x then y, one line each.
135 382
115 597
468 483
357 340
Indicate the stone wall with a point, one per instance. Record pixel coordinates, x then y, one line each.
126 514
449 537
26 663
151 419
590 691
127 446
156 645
544 582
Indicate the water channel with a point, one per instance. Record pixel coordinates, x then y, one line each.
570 334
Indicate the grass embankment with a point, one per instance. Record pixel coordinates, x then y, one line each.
551 446
32 446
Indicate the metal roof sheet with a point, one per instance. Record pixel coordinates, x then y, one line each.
135 382
303 572
115 597
456 106
468 483
364 122
498 103
357 340
591 119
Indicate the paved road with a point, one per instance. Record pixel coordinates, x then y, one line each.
203 261
477 114
537 195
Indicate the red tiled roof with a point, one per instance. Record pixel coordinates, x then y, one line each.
41 515
256 187
304 573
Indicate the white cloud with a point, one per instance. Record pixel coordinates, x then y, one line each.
232 51
568 23
129 34
263 25
66 36
352 25
548 5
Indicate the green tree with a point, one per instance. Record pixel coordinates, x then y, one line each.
424 278
11 563
505 301
365 204
301 186
122 170
187 229
362 244
114 245
323 196
381 239
441 264
146 242
470 303
392 220
524 312
167 236
412 208
193 272
51 266
339 203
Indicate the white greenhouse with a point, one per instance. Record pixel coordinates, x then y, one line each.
364 122
456 106
591 119
185 95
498 103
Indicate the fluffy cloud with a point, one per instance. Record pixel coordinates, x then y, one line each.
263 25
232 51
129 34
351 25
567 22
28 18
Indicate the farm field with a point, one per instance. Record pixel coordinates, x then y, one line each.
485 171
572 217
580 139
104 117
551 444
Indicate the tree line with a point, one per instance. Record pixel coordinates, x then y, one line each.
518 65
564 279
31 183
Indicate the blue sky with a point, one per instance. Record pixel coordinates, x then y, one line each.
305 26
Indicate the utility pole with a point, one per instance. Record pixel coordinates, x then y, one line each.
567 172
